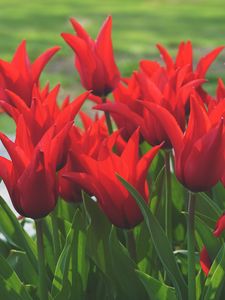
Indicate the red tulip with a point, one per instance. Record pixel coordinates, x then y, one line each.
94 59
90 142
168 91
31 175
199 158
43 112
20 76
127 94
184 57
205 261
99 179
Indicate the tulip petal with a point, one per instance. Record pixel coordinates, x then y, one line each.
81 32
22 62
198 123
40 62
6 172
169 124
184 55
36 189
104 49
220 226
17 155
85 62
204 165
122 110
205 62
145 161
166 57
205 261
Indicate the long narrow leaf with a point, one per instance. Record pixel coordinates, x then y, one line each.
160 241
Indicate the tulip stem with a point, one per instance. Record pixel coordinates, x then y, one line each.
168 200
131 245
191 247
41 260
107 117
55 230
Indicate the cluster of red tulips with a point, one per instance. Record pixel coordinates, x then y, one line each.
161 111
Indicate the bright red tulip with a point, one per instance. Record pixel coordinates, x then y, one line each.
31 175
43 112
169 91
184 57
127 94
20 76
94 59
99 179
199 153
92 142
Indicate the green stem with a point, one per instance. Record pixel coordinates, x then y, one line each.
191 247
131 245
168 200
107 117
41 260
56 241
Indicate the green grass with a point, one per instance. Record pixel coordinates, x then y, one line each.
137 27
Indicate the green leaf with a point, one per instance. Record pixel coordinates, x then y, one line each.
200 279
71 274
61 286
48 243
160 241
15 234
127 280
212 243
216 278
156 290
79 264
5 248
97 234
20 263
209 206
10 285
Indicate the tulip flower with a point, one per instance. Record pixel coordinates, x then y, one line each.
205 261
31 175
43 112
169 92
199 158
91 142
127 94
184 57
99 179
20 76
94 59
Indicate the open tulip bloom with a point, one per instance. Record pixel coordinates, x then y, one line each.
199 152
94 59
125 210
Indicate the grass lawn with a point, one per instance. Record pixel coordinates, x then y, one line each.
137 27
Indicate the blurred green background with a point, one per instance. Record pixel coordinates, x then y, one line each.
137 26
